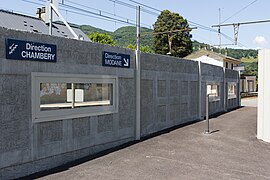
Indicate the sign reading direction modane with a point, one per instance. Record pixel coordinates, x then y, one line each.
115 60
26 50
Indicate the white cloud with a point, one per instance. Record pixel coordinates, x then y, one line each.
260 40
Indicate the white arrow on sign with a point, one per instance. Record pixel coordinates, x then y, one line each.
126 62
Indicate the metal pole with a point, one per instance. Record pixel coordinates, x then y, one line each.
200 91
73 95
238 88
224 91
138 78
207 131
50 17
219 29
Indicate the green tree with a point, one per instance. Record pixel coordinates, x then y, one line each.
101 38
172 35
146 49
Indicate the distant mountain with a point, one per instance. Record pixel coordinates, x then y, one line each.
87 29
124 35
127 35
235 53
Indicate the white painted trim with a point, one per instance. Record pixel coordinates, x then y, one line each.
51 115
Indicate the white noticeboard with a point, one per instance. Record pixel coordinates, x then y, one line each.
78 95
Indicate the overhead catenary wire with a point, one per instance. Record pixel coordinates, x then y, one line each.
242 9
134 7
144 5
95 14
101 13
157 14
78 13
198 25
98 10
122 20
232 40
108 18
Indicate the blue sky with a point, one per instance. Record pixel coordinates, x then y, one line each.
203 12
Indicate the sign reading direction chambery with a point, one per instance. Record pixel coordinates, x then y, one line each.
26 50
115 60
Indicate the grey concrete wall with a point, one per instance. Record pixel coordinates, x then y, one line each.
232 76
169 92
218 75
24 144
169 97
212 75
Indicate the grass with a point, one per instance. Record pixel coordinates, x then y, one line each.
249 60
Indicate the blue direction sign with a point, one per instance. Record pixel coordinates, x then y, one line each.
27 50
115 60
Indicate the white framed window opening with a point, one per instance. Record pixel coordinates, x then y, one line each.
65 96
232 90
213 92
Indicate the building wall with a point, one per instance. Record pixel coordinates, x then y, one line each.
169 96
169 92
230 64
248 84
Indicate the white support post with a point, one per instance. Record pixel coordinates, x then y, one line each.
50 16
263 120
65 22
138 78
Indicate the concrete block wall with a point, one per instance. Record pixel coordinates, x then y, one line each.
232 76
212 75
169 92
169 97
40 146
217 75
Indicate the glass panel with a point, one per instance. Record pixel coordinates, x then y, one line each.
93 94
232 90
55 96
213 90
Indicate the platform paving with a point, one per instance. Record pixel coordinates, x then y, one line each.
230 152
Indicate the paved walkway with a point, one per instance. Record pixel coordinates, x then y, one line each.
250 102
231 152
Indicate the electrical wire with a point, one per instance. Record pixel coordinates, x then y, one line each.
100 13
157 14
74 12
232 40
145 6
111 19
134 7
125 21
239 11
